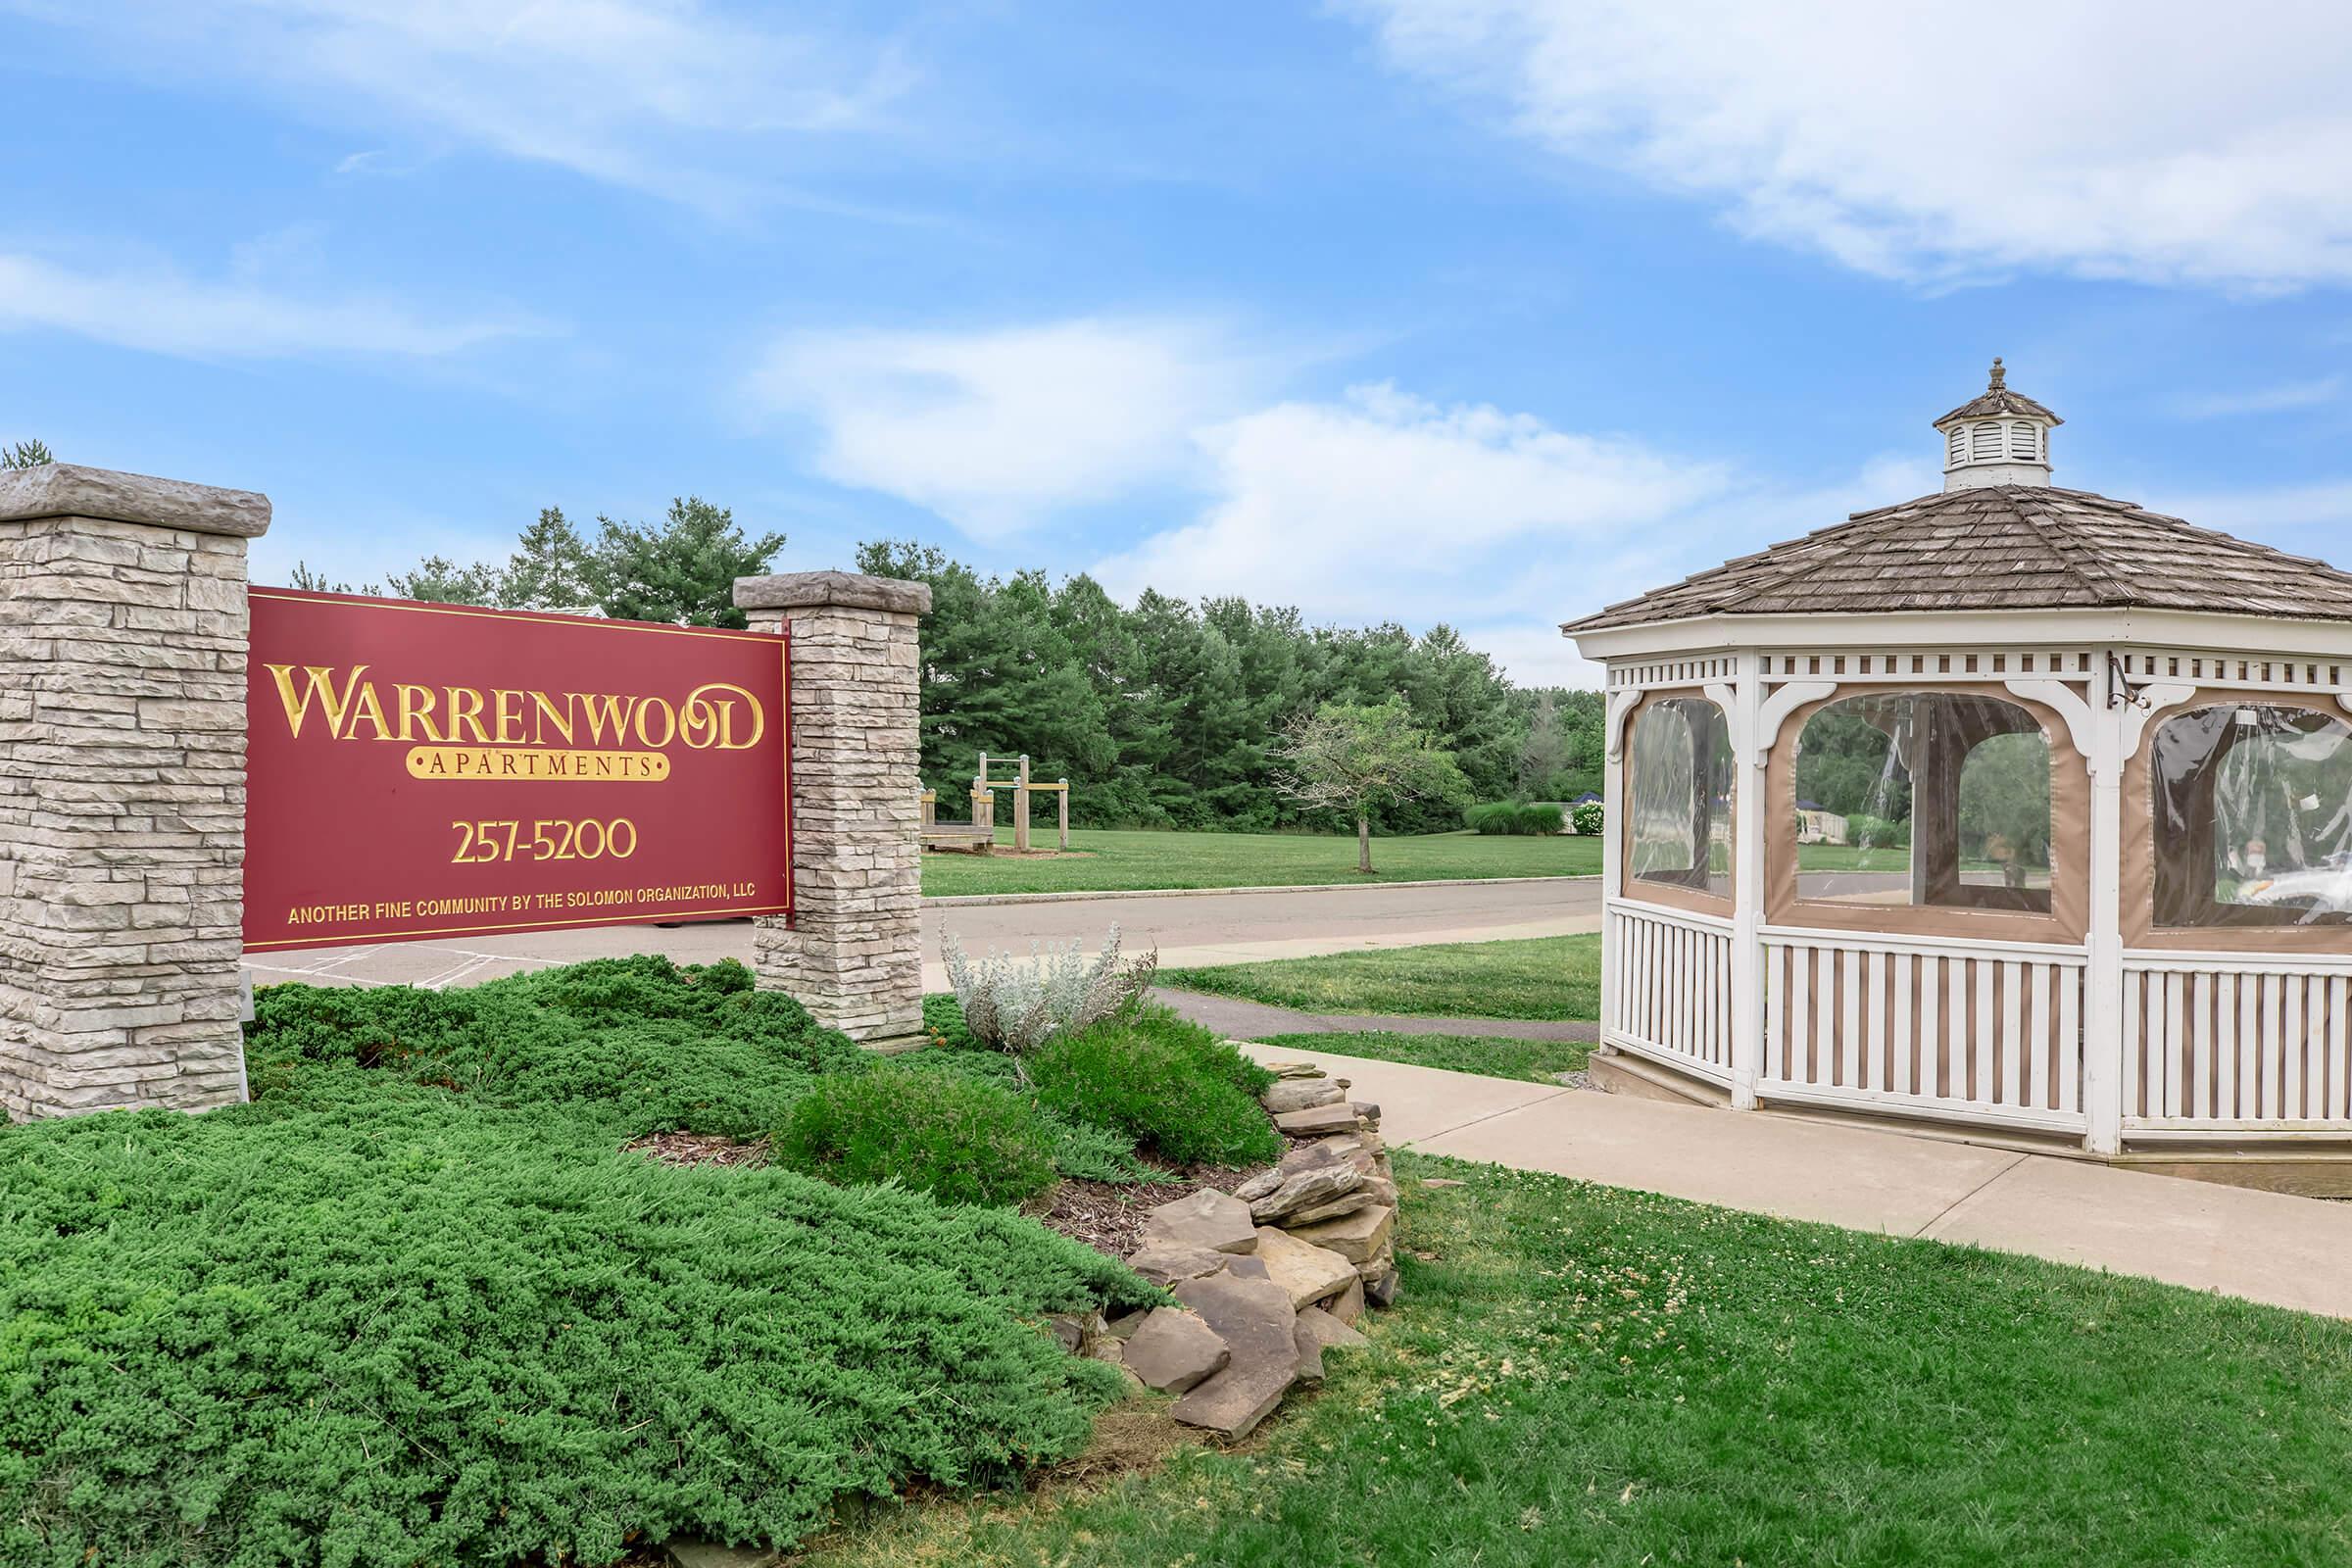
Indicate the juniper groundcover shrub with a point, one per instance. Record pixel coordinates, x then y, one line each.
416 1304
1167 1083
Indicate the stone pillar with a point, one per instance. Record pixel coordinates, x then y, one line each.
852 953
123 642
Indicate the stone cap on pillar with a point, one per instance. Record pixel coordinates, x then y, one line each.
70 490
819 590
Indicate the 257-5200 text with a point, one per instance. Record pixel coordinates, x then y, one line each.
546 839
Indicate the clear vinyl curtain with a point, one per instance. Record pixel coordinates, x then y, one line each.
1935 799
2252 816
1679 795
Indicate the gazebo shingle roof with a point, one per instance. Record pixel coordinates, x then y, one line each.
2002 546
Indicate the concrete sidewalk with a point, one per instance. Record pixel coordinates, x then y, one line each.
1189 930
2265 1246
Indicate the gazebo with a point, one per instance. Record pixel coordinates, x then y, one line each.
2012 811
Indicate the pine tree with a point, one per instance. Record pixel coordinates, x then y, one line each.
682 571
437 579
551 568
1543 755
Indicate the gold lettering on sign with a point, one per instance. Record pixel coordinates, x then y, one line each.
464 714
416 703
510 732
536 764
322 686
710 719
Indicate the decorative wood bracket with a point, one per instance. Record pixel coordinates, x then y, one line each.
2144 705
2082 723
1621 703
1784 701
1727 703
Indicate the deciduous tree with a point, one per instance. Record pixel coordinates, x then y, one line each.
1356 760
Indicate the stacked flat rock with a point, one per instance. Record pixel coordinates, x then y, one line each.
1356 1219
1270 1275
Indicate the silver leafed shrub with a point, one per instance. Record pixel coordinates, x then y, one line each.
1016 1003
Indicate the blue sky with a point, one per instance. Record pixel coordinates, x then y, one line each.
1483 311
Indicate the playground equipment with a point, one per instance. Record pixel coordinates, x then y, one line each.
979 835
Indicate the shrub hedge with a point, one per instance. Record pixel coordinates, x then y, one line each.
1492 817
1587 817
960 1140
415 1303
1169 1084
1877 832
1515 817
1540 817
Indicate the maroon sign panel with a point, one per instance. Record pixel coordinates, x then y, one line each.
434 770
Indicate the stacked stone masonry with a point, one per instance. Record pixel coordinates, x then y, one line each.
122 647
1275 1272
853 951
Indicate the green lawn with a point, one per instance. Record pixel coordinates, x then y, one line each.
1577 1375
1851 857
1543 977
1538 1061
1105 859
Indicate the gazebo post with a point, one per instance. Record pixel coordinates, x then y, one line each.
1748 884
2103 976
1612 860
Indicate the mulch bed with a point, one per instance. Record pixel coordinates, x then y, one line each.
1105 1216
1109 1218
701 1149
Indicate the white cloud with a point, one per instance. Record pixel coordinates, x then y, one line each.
2283 398
995 430
1387 508
1383 504
157 309
2161 141
1373 506
638 92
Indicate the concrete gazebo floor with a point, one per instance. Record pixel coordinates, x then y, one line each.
2270 1248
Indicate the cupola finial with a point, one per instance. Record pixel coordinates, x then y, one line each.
2000 437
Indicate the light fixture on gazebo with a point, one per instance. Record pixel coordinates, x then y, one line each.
2011 805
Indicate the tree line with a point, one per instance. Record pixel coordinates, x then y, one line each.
1166 712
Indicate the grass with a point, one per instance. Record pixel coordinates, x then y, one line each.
1851 857
1580 1375
1540 1061
1104 860
1541 977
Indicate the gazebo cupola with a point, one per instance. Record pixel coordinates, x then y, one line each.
2002 437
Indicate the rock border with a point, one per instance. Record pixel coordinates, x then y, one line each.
1270 1275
